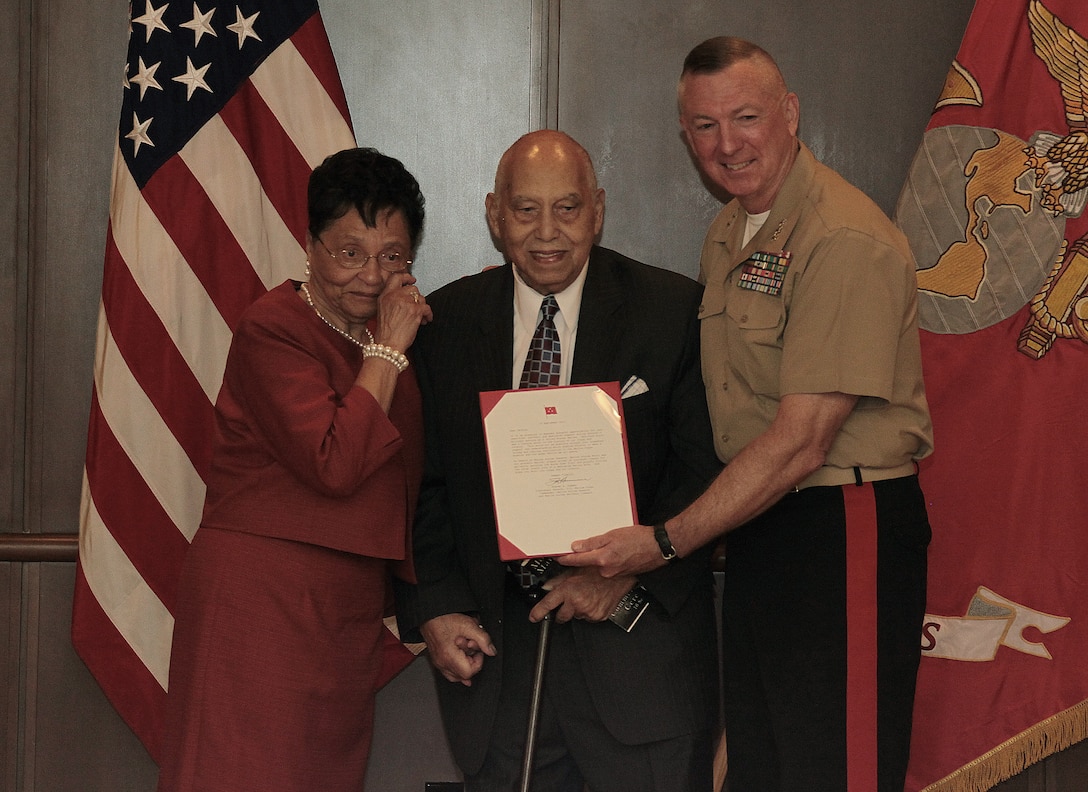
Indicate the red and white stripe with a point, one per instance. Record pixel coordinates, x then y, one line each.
213 229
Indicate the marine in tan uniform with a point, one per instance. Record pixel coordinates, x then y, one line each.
811 361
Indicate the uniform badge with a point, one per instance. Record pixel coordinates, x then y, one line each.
764 272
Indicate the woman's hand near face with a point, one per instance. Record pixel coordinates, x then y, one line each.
401 310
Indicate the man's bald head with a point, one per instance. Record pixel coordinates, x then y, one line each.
547 210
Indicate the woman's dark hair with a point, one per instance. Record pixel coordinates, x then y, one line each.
368 181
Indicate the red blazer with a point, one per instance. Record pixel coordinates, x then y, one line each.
302 454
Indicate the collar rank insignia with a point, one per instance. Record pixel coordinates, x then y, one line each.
764 272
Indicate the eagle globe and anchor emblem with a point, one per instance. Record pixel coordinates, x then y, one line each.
985 212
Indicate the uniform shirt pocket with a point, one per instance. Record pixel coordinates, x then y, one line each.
754 329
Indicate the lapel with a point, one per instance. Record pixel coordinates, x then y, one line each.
490 345
599 331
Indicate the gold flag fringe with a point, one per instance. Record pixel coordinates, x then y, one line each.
1014 755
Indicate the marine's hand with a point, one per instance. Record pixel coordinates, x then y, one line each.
581 594
622 551
456 644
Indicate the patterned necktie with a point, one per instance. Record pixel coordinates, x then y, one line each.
542 362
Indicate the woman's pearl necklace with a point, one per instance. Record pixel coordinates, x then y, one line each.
321 316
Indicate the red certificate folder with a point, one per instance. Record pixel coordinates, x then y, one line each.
560 468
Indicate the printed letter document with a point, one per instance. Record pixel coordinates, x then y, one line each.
559 466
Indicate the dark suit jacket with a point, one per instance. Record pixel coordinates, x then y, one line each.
660 680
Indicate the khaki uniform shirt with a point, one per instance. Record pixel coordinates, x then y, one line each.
839 315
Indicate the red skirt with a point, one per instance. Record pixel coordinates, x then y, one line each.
275 654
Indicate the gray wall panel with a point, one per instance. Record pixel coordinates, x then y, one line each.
410 745
74 122
13 207
445 87
867 72
75 740
10 671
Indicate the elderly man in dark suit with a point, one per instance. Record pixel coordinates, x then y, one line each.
622 711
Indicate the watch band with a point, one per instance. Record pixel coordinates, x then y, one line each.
668 552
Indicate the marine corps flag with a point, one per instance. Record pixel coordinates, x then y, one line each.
994 210
226 109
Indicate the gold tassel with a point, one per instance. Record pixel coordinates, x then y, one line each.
1014 755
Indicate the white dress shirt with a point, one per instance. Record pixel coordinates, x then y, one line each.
527 315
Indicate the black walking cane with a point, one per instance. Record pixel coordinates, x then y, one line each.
534 704
532 575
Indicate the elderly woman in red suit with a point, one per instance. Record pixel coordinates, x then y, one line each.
315 470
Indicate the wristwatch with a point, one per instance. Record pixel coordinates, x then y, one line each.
668 552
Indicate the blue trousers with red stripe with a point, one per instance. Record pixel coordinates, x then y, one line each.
822 609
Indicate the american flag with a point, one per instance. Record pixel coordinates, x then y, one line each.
226 110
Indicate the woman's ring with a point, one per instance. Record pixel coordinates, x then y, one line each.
415 297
